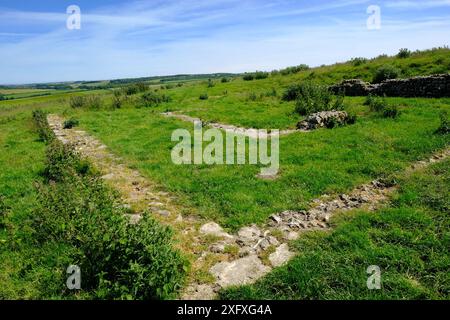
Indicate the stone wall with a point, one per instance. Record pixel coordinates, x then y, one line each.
436 86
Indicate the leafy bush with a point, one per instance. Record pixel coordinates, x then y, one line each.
404 53
376 104
358 61
204 96
312 98
154 99
294 69
258 75
352 118
77 102
224 80
62 162
381 106
45 133
135 88
272 93
118 260
444 127
3 97
385 73
391 111
211 83
252 96
69 124
93 102
292 92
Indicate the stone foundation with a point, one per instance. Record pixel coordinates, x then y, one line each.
436 86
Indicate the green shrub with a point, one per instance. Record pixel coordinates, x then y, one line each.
211 83
272 93
117 102
44 131
381 106
377 104
404 53
259 75
358 61
69 124
154 99
204 96
252 96
248 77
312 98
118 260
224 80
77 102
3 97
391 111
292 92
293 70
444 127
61 162
135 88
385 73
352 118
93 102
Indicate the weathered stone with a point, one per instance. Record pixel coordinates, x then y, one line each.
248 235
281 255
239 272
213 229
276 219
217 248
322 119
434 86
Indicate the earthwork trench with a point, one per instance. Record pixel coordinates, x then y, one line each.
230 259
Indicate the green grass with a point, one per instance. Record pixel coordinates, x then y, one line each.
26 271
323 161
408 240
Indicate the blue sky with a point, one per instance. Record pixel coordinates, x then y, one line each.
121 39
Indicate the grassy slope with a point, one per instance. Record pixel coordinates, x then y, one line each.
230 103
409 240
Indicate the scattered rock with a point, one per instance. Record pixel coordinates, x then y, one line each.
214 229
323 119
248 236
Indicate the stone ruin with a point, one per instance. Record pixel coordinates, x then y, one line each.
323 119
435 86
